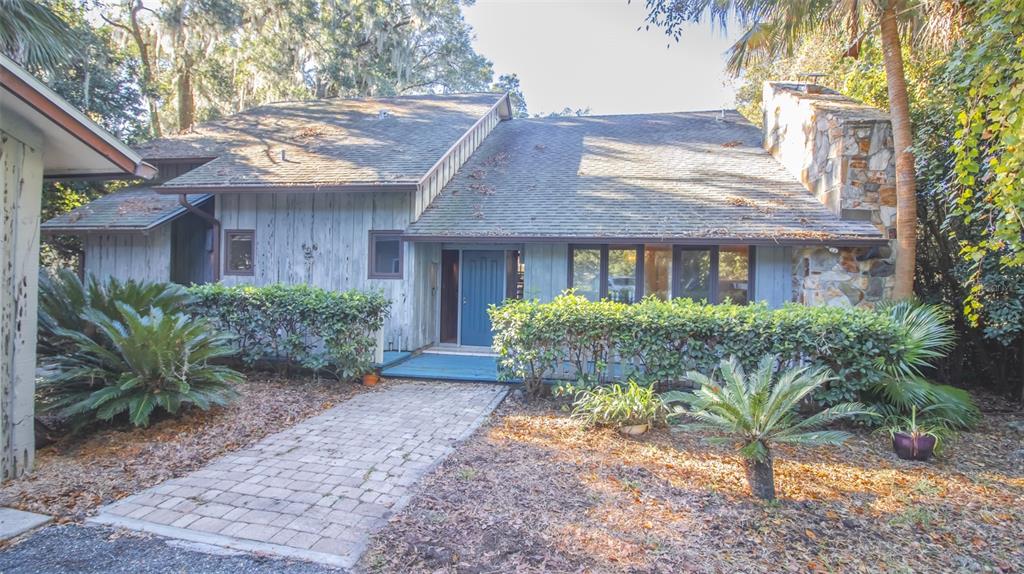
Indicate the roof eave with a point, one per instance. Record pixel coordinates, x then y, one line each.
51 105
401 186
708 240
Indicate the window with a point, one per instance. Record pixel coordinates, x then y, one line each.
602 272
693 280
627 274
385 255
586 272
734 274
622 274
239 251
658 271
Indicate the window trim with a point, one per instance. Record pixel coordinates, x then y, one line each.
228 234
386 234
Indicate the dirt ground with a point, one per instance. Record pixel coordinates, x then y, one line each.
78 474
533 492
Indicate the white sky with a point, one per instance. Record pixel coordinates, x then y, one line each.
581 53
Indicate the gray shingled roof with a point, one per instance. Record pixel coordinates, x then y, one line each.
657 176
332 142
133 209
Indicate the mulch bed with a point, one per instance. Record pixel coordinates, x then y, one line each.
78 474
533 492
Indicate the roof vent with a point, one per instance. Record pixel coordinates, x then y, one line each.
383 114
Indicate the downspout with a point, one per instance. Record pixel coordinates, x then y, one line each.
215 226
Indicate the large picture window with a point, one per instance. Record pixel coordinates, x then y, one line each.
385 255
628 273
239 251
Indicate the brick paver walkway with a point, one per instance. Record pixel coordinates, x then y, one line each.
319 489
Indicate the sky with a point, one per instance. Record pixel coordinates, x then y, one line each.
589 53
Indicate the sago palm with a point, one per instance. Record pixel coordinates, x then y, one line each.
757 411
774 27
138 362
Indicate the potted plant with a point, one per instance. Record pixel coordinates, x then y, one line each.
371 377
631 408
917 437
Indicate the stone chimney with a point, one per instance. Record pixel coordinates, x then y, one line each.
840 149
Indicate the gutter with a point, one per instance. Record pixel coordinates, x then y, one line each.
215 226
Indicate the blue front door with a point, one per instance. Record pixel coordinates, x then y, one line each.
483 284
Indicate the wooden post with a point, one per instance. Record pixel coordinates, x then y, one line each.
21 182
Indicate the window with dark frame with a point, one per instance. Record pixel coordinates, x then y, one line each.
629 273
386 258
240 252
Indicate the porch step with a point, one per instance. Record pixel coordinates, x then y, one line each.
445 366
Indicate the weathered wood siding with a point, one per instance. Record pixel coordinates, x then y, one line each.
21 183
546 272
322 239
773 275
443 172
129 255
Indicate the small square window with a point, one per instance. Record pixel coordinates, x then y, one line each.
239 252
385 255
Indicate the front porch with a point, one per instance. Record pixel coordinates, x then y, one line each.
448 362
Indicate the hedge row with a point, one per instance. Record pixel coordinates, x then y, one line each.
309 326
660 341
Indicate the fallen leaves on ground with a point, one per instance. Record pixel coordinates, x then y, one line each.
534 492
78 474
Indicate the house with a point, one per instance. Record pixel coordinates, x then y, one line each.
41 137
448 205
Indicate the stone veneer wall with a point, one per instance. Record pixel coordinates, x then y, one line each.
842 151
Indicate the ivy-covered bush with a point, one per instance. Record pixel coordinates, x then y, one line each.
660 341
308 326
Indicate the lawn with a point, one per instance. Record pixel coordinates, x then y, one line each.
78 474
534 492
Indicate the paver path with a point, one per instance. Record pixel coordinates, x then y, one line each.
318 490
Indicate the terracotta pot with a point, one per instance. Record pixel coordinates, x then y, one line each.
908 447
634 430
370 379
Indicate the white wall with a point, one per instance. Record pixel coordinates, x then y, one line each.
21 182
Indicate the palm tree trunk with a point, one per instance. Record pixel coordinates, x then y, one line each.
761 477
899 113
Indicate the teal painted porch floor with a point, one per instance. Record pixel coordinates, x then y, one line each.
445 366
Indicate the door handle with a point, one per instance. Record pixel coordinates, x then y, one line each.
465 301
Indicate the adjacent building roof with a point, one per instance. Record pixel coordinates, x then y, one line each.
673 177
135 209
74 145
324 145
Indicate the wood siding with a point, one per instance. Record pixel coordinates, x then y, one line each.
129 255
21 183
773 275
322 239
443 172
547 273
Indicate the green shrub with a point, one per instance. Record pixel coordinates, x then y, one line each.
756 411
135 364
618 405
309 326
660 341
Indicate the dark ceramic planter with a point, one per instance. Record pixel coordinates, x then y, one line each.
909 448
